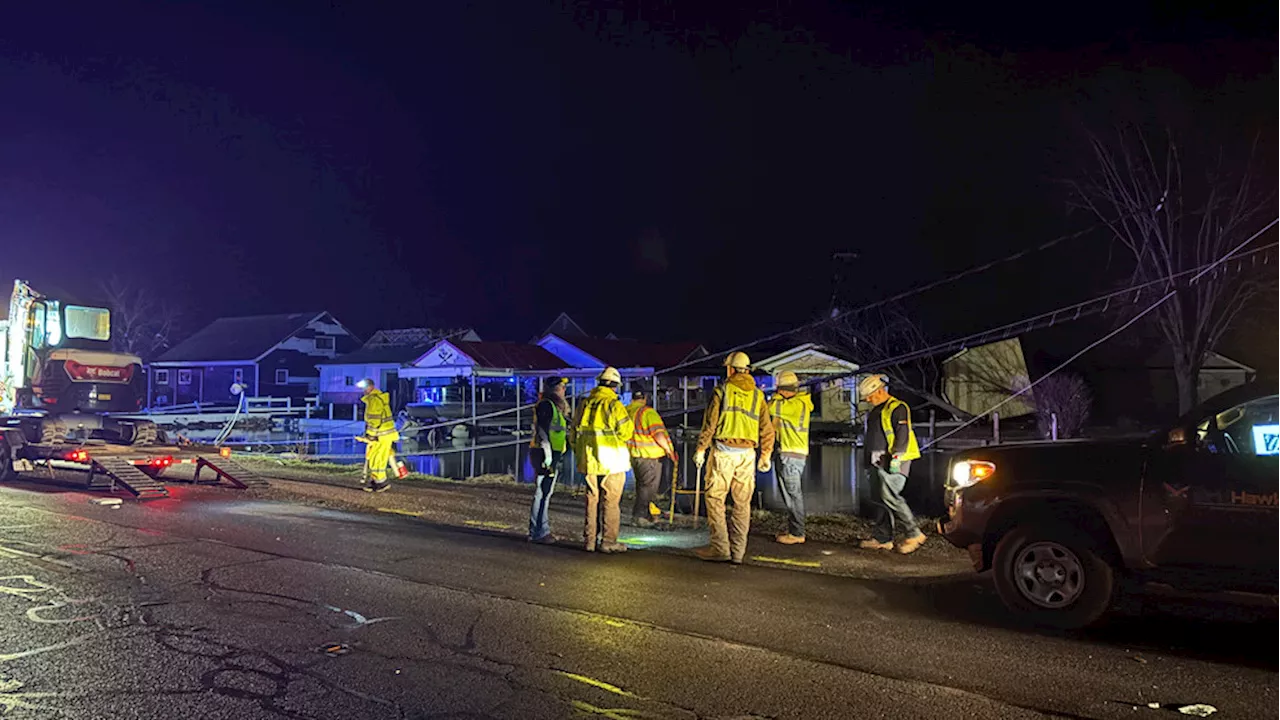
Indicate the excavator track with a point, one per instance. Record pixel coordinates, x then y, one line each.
145 433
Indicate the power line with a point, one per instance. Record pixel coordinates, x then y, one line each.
1164 298
894 298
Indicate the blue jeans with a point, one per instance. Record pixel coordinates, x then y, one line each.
790 472
544 484
893 510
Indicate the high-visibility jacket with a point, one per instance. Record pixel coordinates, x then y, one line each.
739 413
602 428
886 424
557 434
648 426
378 419
792 418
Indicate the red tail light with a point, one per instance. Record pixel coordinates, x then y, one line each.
79 456
98 373
162 462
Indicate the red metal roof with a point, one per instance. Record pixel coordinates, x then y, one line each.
632 353
510 356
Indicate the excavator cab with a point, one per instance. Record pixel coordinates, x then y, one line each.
59 360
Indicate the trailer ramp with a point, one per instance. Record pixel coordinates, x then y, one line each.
229 471
106 473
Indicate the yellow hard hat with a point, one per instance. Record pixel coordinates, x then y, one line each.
870 384
738 360
787 379
610 375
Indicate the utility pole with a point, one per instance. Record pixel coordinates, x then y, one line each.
839 260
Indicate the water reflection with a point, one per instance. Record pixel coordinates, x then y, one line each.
834 480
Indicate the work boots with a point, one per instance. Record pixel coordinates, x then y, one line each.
789 539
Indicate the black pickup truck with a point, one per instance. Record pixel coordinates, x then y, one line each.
1063 526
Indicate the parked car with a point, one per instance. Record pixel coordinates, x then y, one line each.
1063 526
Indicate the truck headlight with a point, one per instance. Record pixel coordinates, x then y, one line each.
969 472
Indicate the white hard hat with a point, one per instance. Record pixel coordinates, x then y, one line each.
870 384
737 360
610 375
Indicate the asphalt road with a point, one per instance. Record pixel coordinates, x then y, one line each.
214 604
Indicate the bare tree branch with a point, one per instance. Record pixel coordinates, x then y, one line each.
1172 211
141 324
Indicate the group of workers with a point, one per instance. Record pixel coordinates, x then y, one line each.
740 431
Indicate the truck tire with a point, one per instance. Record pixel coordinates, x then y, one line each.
1053 575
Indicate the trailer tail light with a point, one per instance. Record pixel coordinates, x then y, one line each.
104 373
161 462
79 456
224 452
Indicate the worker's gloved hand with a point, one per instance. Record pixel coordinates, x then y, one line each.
765 464
699 458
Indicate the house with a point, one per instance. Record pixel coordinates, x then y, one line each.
459 378
264 355
977 379
1131 379
834 400
563 326
585 357
382 358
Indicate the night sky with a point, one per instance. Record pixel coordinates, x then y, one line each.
492 163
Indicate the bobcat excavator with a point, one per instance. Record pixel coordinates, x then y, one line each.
61 381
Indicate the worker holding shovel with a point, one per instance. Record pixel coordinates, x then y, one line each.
379 435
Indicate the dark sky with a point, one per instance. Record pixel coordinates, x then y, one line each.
492 163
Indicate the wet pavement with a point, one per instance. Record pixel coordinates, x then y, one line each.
219 604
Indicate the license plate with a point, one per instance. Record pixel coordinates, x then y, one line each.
104 396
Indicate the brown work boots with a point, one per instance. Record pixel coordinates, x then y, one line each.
789 539
905 547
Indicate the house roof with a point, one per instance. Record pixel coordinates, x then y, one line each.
634 354
509 355
400 347
238 338
415 337
380 354
565 327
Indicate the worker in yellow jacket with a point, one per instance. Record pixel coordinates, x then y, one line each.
737 422
791 408
379 435
891 445
602 428
648 445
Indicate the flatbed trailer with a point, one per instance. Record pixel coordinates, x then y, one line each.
139 471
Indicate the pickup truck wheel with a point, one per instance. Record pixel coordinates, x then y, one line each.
1053 576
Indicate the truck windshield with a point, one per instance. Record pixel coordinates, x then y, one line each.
87 323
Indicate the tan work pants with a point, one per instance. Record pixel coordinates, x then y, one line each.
730 473
611 487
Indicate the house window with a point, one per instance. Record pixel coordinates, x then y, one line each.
282 376
348 381
162 377
237 375
324 342
184 377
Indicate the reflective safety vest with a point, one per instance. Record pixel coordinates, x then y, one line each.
886 424
378 420
792 416
739 413
647 422
559 432
603 428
